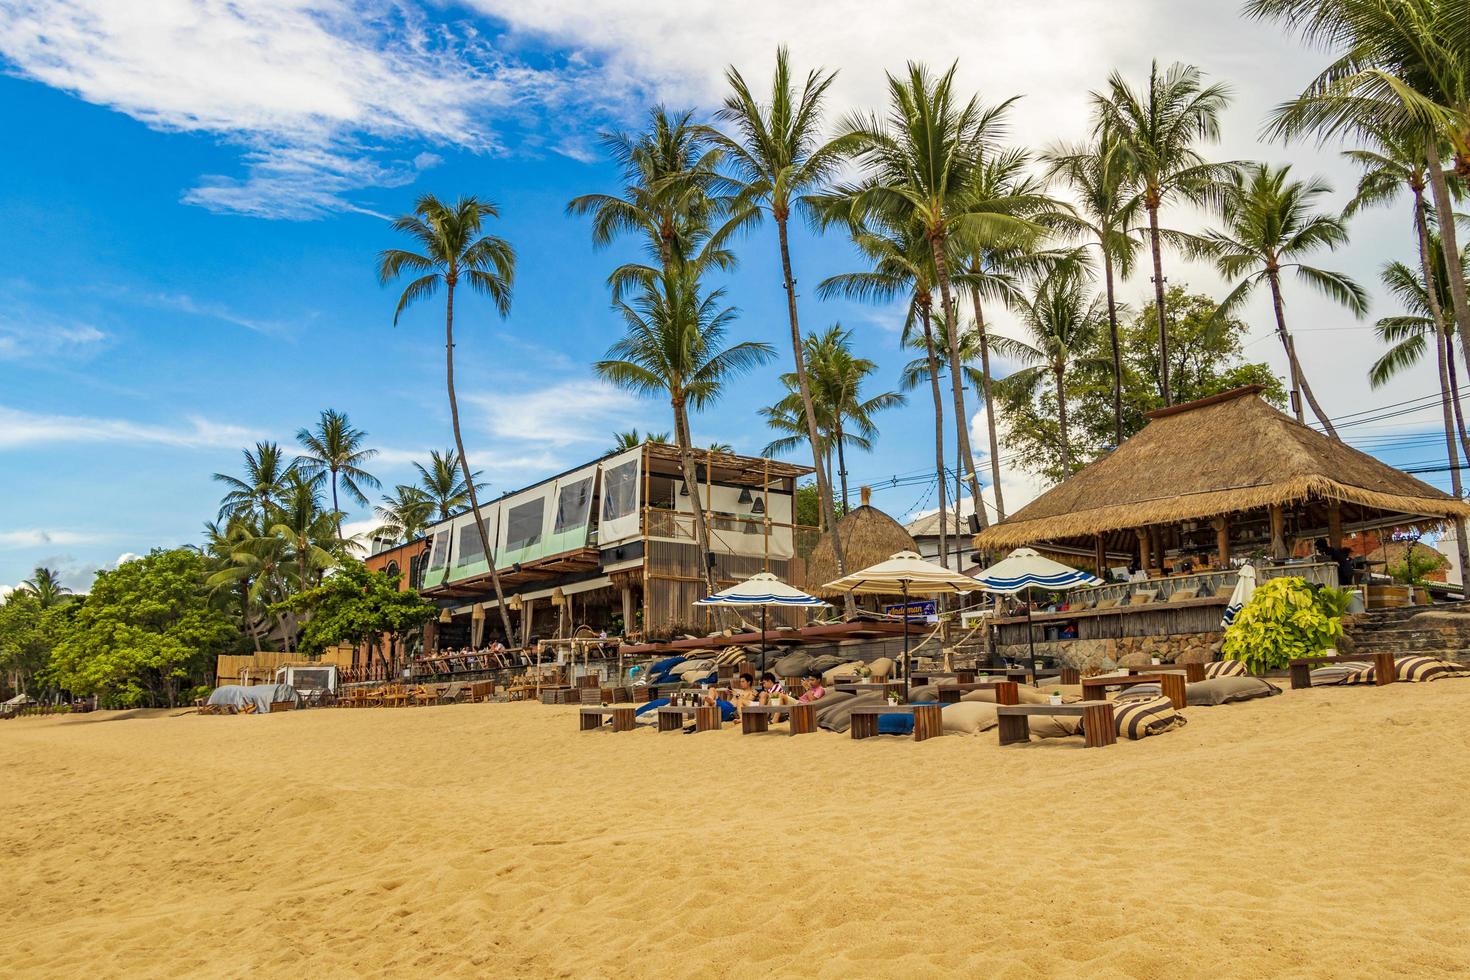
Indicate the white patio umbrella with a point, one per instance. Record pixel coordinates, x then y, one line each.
1025 569
762 589
910 575
1245 587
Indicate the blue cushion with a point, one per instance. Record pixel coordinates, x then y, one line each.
896 724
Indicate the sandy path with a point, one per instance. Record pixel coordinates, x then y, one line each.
1314 834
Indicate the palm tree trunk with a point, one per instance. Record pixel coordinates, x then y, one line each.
938 434
1443 333
1444 209
1060 374
1158 254
1462 545
984 336
1117 353
1449 351
686 462
464 461
1299 379
336 510
824 483
966 459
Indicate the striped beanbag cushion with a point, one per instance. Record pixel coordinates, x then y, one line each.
1422 669
1225 668
1140 719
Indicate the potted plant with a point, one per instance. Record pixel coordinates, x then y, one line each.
894 699
1056 697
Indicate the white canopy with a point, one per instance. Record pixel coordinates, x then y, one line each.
761 589
905 572
1025 569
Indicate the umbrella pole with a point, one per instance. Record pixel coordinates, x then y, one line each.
1031 641
763 640
907 667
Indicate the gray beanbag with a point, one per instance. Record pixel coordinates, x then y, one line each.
1223 690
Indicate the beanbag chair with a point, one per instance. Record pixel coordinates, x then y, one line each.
837 717
1342 673
1140 719
1025 694
793 664
699 667
826 662
1053 726
1140 692
1223 690
840 674
1225 668
882 668
967 718
1416 670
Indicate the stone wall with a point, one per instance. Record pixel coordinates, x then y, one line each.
1094 656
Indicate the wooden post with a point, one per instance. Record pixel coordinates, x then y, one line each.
1100 552
627 608
1334 524
528 608
1142 534
1222 539
1278 531
1156 545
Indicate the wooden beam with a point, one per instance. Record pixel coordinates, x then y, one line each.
1222 540
1100 553
1278 531
1142 534
1334 523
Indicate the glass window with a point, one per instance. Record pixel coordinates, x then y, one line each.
471 548
523 525
662 492
620 490
572 505
439 554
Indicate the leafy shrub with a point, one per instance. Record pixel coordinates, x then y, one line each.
1285 619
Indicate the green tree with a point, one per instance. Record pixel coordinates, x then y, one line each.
673 348
1156 131
453 252
443 481
357 605
631 439
778 158
334 449
403 516
146 626
261 488
1269 228
45 585
30 629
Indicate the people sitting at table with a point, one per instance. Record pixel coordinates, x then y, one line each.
771 689
811 688
744 692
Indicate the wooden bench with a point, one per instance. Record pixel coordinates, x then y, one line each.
1006 692
886 688
1384 671
1193 673
1097 721
706 717
927 721
757 717
1170 683
623 717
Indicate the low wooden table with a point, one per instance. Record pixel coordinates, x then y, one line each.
1097 721
889 687
757 717
1384 671
1193 673
946 677
1006 692
706 717
1170 683
623 717
927 721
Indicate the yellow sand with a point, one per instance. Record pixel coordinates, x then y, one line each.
1320 833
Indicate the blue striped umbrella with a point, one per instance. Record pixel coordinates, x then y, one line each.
1024 569
762 589
1245 587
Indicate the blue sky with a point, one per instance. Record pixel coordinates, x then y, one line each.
192 200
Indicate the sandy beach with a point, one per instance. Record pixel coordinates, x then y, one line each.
1313 834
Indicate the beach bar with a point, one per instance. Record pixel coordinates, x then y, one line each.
1169 516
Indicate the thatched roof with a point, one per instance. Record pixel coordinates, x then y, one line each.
868 537
928 525
1219 455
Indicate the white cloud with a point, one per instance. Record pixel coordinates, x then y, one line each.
20 428
35 537
567 413
31 338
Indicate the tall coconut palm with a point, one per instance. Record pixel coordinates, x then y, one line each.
778 157
1401 67
633 438
901 267
45 585
262 486
454 251
444 482
1269 227
1157 131
919 166
1108 208
673 349
334 450
1061 320
312 544
404 515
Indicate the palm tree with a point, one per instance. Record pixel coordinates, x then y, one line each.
1107 206
921 167
1270 227
930 330
444 482
837 379
1062 322
902 267
335 448
404 515
673 349
633 438
1156 131
454 250
45 585
266 475
779 157
312 542
1402 70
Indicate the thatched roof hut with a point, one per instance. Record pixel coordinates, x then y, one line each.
868 537
1228 454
